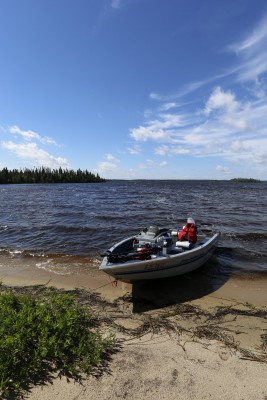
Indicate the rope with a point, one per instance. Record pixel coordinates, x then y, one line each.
113 283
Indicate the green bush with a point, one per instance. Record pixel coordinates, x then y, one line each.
44 334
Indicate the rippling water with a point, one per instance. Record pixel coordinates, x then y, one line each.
64 227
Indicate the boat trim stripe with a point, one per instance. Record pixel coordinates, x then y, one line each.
189 261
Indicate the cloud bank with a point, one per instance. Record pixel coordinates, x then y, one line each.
230 124
25 146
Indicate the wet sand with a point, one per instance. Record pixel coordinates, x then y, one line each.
169 363
249 289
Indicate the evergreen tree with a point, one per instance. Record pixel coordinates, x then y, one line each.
46 175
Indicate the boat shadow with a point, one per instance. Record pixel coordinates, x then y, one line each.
156 294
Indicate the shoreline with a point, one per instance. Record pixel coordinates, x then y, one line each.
180 339
246 289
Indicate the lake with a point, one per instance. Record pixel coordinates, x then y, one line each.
64 227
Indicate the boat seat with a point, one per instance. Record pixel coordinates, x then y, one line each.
184 244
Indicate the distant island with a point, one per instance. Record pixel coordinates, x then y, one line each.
46 175
245 180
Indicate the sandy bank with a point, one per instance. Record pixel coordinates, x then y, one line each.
181 339
159 368
187 287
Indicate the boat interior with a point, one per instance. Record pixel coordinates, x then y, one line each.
162 241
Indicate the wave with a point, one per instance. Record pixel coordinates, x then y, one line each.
241 260
14 253
58 264
247 236
42 223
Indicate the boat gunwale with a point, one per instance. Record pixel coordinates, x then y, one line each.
184 255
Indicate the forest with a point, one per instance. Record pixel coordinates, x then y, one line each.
245 180
46 175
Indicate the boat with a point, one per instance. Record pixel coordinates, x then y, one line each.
156 253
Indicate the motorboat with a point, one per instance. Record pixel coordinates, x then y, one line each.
156 253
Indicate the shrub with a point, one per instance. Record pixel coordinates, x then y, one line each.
43 334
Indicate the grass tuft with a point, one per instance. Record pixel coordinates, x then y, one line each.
42 334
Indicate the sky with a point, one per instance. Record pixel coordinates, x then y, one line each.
135 89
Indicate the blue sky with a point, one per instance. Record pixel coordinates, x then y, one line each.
160 89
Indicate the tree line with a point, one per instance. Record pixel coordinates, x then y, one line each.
245 180
46 175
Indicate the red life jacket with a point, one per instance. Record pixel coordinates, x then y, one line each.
189 232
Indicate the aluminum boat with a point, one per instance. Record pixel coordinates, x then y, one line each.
156 253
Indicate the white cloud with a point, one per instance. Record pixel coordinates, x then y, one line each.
30 135
253 40
143 134
171 150
155 164
151 164
187 88
155 96
227 126
112 170
168 106
134 150
237 146
181 92
235 122
159 129
110 157
228 111
166 121
223 169
109 165
220 100
180 150
106 167
252 55
257 90
31 152
250 66
25 147
162 150
163 164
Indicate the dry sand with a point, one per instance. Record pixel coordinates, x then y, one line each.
196 340
159 368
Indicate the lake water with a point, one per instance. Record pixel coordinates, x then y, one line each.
63 228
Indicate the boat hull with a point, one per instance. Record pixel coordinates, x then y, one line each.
163 266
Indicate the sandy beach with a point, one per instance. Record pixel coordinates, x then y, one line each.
181 339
